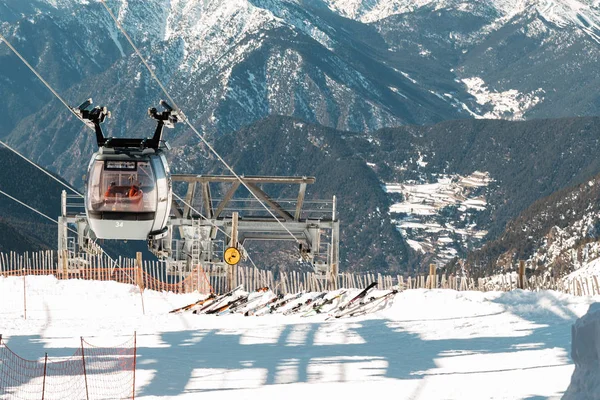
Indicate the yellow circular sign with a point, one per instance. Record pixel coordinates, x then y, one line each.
232 256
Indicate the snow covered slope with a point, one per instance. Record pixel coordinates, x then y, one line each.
584 14
438 218
430 344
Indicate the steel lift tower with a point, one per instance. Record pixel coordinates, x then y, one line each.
201 227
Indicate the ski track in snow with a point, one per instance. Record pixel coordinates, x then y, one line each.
428 344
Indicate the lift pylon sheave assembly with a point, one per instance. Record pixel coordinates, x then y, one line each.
193 239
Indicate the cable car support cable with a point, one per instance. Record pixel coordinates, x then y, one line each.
2 38
41 169
78 116
55 93
113 261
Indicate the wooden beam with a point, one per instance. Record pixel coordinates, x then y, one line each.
300 201
228 196
270 202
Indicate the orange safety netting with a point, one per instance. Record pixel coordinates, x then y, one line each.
110 371
197 280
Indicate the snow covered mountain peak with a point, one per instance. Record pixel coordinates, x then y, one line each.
583 13
374 10
210 28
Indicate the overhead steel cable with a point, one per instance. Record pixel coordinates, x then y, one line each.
2 38
51 89
29 207
16 52
41 169
187 121
114 262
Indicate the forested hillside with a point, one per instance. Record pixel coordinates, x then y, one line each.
555 234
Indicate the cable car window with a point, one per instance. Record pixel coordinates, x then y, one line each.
122 186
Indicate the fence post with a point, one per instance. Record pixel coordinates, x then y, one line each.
44 381
432 277
24 296
140 283
87 394
587 286
134 362
521 274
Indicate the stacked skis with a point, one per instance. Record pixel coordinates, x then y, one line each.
334 304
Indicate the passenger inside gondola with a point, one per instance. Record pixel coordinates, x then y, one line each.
123 190
112 190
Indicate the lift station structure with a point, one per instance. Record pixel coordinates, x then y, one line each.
201 226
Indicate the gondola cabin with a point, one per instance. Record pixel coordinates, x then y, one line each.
128 189
128 194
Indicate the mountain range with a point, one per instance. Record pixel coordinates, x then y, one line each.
499 168
381 97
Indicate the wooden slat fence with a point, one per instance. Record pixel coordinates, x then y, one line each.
153 275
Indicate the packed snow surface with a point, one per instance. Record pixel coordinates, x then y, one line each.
429 344
588 270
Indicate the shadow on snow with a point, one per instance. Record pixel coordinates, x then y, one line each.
405 354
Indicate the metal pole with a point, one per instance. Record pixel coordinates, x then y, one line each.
44 382
134 362
234 229
87 394
138 259
231 269
335 243
63 203
24 295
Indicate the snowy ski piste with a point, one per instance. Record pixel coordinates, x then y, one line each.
426 344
